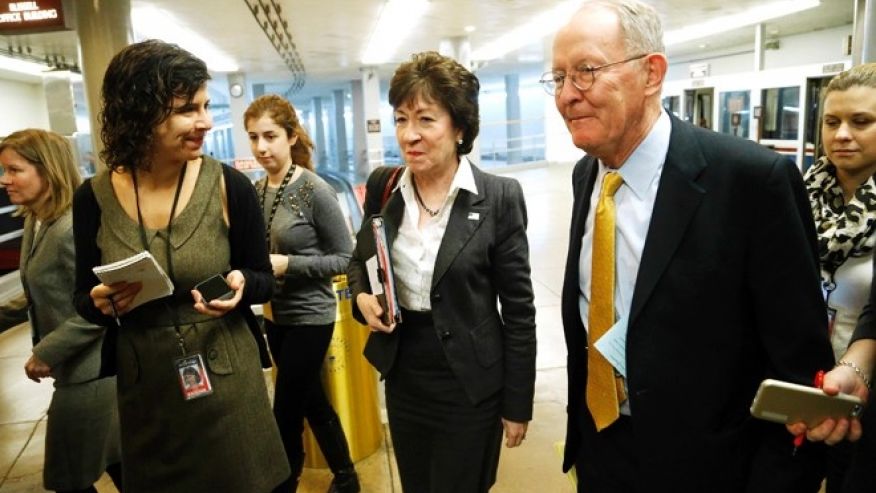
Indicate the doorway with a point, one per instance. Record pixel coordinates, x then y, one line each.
698 106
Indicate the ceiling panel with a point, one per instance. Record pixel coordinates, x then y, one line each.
331 34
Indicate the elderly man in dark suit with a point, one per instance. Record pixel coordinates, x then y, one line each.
692 254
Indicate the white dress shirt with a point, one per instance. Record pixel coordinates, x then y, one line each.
634 203
414 250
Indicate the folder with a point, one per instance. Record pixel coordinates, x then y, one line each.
378 265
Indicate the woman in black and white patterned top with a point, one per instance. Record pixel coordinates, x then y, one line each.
842 190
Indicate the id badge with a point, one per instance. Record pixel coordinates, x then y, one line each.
194 380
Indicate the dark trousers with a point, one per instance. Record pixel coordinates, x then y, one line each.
861 473
838 458
443 443
298 352
613 469
115 473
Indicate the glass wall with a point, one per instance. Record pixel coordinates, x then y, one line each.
502 140
735 113
672 104
219 144
781 113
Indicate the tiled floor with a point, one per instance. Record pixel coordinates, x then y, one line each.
534 467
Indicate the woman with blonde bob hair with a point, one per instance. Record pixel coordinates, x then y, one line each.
82 441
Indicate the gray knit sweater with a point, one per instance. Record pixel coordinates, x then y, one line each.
309 227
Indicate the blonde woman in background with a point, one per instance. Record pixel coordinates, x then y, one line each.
843 193
82 430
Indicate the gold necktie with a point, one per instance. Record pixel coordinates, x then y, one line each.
604 391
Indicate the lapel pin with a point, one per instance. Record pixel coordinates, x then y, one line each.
473 216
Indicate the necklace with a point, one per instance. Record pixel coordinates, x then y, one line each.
431 212
277 199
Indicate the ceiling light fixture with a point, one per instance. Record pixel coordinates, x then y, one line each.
533 31
750 17
152 23
21 66
396 20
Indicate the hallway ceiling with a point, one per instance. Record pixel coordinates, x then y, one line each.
330 35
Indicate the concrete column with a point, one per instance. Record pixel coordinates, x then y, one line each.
513 126
59 98
237 107
759 31
459 48
864 43
331 140
340 127
371 118
360 136
320 159
104 28
258 90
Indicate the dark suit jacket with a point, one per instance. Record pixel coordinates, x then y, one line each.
483 257
727 294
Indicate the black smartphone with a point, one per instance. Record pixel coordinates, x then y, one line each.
214 288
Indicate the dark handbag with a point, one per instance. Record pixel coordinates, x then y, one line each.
380 185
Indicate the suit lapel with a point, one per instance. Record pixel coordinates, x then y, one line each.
40 235
677 199
582 186
27 241
466 216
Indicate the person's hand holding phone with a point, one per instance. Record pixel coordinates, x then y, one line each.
842 379
214 299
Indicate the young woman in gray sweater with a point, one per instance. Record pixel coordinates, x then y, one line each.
309 244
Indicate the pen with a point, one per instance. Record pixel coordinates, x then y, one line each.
115 313
818 383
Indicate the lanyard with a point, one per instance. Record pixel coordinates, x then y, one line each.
182 175
277 199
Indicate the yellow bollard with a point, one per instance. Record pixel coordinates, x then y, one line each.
350 384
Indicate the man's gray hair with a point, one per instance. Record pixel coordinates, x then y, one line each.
640 23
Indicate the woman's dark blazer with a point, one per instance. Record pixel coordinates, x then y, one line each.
483 258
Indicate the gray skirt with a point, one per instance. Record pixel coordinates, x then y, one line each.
82 434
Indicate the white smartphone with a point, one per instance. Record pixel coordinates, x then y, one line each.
785 402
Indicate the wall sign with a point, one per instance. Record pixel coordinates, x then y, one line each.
373 126
31 17
698 70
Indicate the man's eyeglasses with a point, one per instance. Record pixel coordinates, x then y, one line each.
582 78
